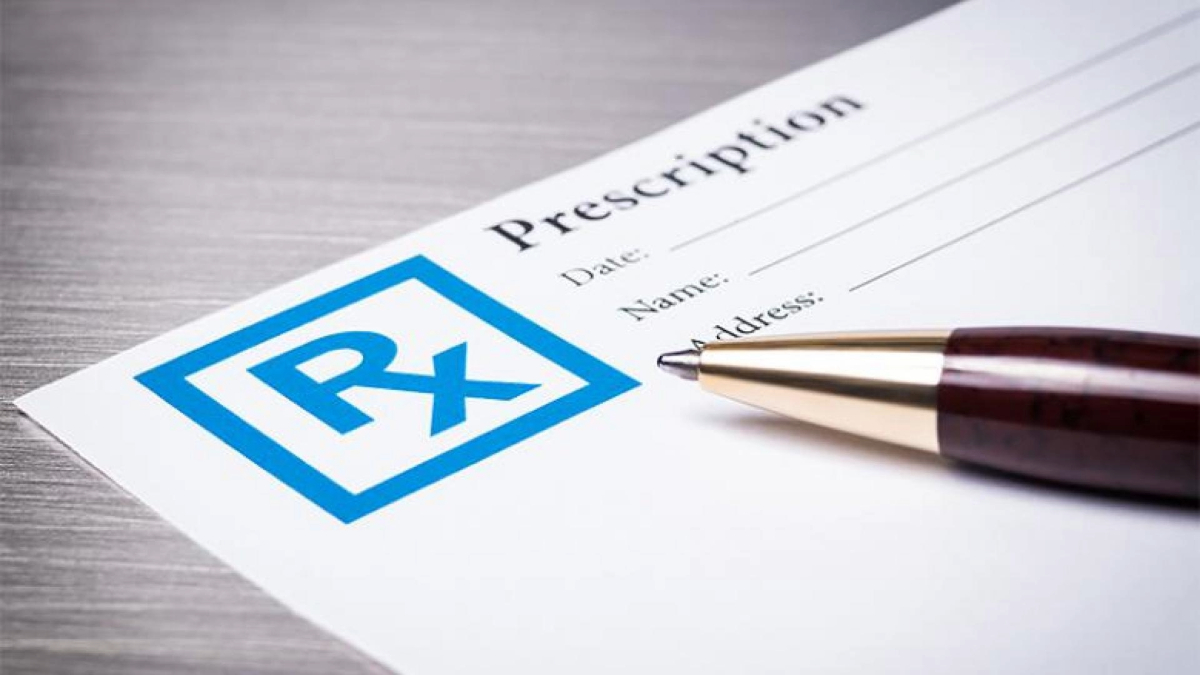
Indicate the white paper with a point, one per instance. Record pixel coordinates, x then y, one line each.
1001 163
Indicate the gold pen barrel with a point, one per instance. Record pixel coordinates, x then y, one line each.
879 385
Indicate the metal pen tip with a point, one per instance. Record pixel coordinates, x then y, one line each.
684 364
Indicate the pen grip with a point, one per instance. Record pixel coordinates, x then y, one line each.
1105 409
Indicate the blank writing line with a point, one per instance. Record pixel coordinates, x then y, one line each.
1141 93
991 107
1049 195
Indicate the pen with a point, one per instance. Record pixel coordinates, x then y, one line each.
1105 409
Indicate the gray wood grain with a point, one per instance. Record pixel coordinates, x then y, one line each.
163 159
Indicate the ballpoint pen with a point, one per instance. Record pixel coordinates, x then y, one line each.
1104 409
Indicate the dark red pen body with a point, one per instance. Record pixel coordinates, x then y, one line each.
1106 409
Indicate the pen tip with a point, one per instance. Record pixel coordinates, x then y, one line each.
684 364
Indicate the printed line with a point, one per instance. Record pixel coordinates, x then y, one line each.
1046 197
1090 117
1105 55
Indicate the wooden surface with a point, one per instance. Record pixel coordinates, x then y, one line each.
163 159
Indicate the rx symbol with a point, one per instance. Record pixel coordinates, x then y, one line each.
448 385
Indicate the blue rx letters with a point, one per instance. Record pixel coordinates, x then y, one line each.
448 385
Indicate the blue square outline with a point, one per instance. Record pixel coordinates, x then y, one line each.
169 382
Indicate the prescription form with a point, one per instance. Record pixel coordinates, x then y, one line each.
453 451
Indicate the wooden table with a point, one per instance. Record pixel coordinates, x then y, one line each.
165 158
